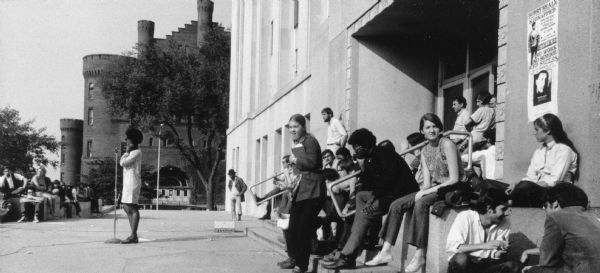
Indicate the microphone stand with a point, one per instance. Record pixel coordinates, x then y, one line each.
115 240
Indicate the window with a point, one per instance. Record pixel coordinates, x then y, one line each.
185 193
151 142
178 192
62 176
271 46
296 14
296 61
90 90
89 149
63 147
90 116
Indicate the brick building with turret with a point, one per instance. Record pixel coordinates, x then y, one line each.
96 138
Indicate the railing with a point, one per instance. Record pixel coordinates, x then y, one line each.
416 147
267 180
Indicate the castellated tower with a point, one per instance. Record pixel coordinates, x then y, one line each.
70 152
145 32
205 11
101 132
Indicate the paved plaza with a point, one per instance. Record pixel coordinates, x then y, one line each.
170 241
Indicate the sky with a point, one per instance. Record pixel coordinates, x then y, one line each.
42 43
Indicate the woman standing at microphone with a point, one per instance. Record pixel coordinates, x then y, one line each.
131 161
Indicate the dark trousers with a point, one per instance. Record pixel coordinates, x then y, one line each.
303 225
419 224
528 194
31 209
274 191
331 216
361 224
391 225
465 263
288 238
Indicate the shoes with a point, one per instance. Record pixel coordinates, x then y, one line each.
414 266
380 259
332 257
35 219
298 270
265 217
130 240
287 264
23 219
239 217
343 262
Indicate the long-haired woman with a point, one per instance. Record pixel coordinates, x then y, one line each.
556 160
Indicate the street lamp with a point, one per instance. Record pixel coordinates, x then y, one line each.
158 164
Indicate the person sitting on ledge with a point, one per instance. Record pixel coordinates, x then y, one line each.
282 182
30 206
556 160
385 177
478 239
441 172
571 241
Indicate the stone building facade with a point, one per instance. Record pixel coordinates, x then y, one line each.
382 64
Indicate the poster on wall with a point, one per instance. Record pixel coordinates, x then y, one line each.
542 60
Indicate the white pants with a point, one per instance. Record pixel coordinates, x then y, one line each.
236 204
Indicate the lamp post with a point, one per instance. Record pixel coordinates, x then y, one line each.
158 164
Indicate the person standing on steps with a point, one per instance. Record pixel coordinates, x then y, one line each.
131 161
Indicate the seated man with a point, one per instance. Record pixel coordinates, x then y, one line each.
413 159
30 206
282 182
478 239
571 241
385 177
328 159
11 187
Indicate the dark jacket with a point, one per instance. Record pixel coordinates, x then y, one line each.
308 164
387 175
571 242
240 186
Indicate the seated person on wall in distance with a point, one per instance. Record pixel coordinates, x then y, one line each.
441 167
71 196
42 185
385 177
30 206
483 119
12 184
571 241
478 239
555 160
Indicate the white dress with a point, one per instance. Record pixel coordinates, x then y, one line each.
132 176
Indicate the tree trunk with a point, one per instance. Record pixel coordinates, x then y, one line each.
209 196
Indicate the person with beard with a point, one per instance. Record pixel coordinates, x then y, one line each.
478 239
336 133
385 177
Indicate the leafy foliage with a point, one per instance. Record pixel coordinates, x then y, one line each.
22 146
186 89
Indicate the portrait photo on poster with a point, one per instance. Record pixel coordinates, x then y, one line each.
542 87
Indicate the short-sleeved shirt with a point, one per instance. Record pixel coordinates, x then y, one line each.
462 119
484 119
335 131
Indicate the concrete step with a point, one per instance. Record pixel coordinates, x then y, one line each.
268 237
360 268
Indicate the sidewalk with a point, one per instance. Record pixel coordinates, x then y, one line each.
177 241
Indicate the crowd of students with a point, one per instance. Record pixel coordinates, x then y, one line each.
386 183
29 194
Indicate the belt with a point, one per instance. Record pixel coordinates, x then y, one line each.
336 144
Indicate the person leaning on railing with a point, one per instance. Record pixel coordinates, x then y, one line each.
282 182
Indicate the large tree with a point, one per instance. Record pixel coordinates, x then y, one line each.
187 90
21 145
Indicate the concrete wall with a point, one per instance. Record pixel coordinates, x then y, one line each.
578 89
71 144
